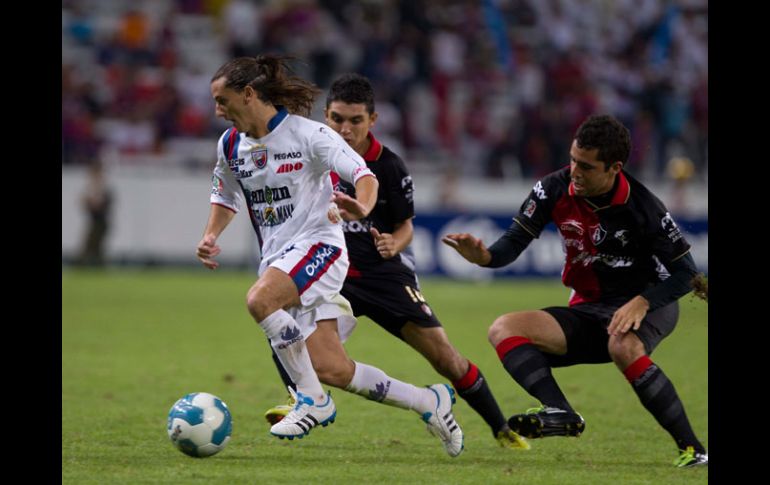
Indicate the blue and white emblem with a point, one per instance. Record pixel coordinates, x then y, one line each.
259 157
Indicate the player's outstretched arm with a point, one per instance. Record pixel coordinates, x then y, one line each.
469 247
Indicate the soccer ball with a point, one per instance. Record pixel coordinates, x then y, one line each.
200 424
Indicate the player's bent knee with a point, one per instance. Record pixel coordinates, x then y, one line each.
502 328
625 350
259 306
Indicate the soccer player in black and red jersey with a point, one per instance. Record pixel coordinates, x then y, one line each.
381 283
627 264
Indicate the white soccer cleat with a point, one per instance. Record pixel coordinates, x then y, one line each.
305 416
442 423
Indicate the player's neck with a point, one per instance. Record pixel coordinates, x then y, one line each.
263 115
364 147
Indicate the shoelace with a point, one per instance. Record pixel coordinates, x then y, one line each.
685 456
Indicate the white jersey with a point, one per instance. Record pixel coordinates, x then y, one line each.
284 180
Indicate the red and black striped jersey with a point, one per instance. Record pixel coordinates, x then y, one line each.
616 245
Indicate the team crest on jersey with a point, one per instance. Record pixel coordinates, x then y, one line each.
530 209
259 156
216 185
597 234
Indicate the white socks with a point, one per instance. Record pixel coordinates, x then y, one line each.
289 345
372 383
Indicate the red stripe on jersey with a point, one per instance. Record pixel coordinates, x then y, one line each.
335 179
509 344
578 272
636 369
231 142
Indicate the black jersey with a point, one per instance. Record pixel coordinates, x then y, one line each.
613 250
395 204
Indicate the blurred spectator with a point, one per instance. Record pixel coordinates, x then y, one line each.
243 27
502 81
97 201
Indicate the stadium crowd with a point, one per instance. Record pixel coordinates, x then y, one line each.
491 88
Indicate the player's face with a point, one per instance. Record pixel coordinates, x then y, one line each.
229 104
352 122
589 176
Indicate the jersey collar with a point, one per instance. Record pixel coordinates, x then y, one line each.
375 149
621 195
276 120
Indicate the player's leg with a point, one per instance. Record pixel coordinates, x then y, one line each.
655 391
433 343
307 270
522 340
272 292
279 411
335 368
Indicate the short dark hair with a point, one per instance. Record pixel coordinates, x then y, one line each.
608 135
352 88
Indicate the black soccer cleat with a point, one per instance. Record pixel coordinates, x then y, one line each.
547 421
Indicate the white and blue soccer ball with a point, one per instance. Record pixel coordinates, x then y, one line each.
200 424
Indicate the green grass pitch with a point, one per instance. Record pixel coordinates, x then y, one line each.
133 342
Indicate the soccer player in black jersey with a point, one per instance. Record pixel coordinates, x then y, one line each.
627 264
381 283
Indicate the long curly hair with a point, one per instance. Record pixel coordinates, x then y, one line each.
272 79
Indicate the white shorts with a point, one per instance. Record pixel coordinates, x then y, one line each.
318 270
336 307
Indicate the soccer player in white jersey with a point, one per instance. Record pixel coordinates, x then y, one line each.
276 164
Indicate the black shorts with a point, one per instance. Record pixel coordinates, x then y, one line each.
390 302
585 326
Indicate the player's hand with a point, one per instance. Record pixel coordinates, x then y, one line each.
333 213
469 247
629 316
207 250
385 243
350 208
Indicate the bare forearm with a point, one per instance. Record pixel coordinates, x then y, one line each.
219 218
402 235
366 192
